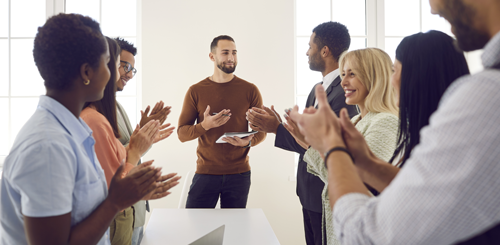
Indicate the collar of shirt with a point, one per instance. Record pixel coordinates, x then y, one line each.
491 54
75 127
328 79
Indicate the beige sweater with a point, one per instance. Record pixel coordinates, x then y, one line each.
380 131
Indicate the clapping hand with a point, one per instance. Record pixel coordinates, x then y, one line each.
321 128
292 127
126 189
164 133
263 120
141 139
159 113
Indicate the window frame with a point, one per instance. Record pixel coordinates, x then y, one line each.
375 37
54 7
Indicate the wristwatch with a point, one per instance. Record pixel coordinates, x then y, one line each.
249 144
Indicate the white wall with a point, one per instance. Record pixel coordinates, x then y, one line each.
176 36
474 61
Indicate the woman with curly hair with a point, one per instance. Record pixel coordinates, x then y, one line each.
54 190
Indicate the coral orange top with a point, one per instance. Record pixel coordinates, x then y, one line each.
110 152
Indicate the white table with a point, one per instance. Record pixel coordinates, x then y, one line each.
183 226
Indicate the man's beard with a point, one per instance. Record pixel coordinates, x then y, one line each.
316 63
461 18
227 70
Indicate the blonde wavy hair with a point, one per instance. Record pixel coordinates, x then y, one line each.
373 67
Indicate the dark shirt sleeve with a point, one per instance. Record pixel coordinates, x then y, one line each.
286 141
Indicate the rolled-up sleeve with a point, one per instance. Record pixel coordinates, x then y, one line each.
348 213
448 188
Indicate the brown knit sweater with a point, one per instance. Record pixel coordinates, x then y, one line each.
237 95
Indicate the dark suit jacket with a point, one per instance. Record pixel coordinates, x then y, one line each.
309 187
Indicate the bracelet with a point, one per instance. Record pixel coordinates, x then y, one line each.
337 149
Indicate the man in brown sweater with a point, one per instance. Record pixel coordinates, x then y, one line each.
218 105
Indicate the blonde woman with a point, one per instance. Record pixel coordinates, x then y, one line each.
365 77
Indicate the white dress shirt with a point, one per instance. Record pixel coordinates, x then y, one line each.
448 190
327 81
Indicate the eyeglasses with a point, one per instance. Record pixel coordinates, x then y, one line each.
127 67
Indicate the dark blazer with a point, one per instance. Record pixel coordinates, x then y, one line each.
309 187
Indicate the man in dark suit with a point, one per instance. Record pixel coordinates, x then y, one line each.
328 41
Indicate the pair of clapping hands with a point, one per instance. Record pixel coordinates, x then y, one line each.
159 113
144 182
150 130
267 120
319 128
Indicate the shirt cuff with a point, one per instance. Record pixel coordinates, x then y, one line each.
344 210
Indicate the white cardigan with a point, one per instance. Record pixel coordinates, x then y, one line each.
380 131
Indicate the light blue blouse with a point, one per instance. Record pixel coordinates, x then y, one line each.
51 170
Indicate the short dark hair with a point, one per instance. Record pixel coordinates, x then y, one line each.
107 105
216 40
333 35
126 45
430 63
63 44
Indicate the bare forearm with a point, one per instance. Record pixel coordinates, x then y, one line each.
126 146
379 174
133 156
342 177
91 230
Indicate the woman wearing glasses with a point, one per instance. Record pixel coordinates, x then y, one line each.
53 188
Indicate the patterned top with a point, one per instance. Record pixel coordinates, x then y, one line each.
380 131
450 182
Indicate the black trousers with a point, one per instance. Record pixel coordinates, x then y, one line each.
312 227
232 188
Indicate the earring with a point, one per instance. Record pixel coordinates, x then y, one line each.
86 82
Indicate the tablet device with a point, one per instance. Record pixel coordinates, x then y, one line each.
233 134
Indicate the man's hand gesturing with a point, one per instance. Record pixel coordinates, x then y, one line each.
215 121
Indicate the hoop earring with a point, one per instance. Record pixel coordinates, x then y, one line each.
86 82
